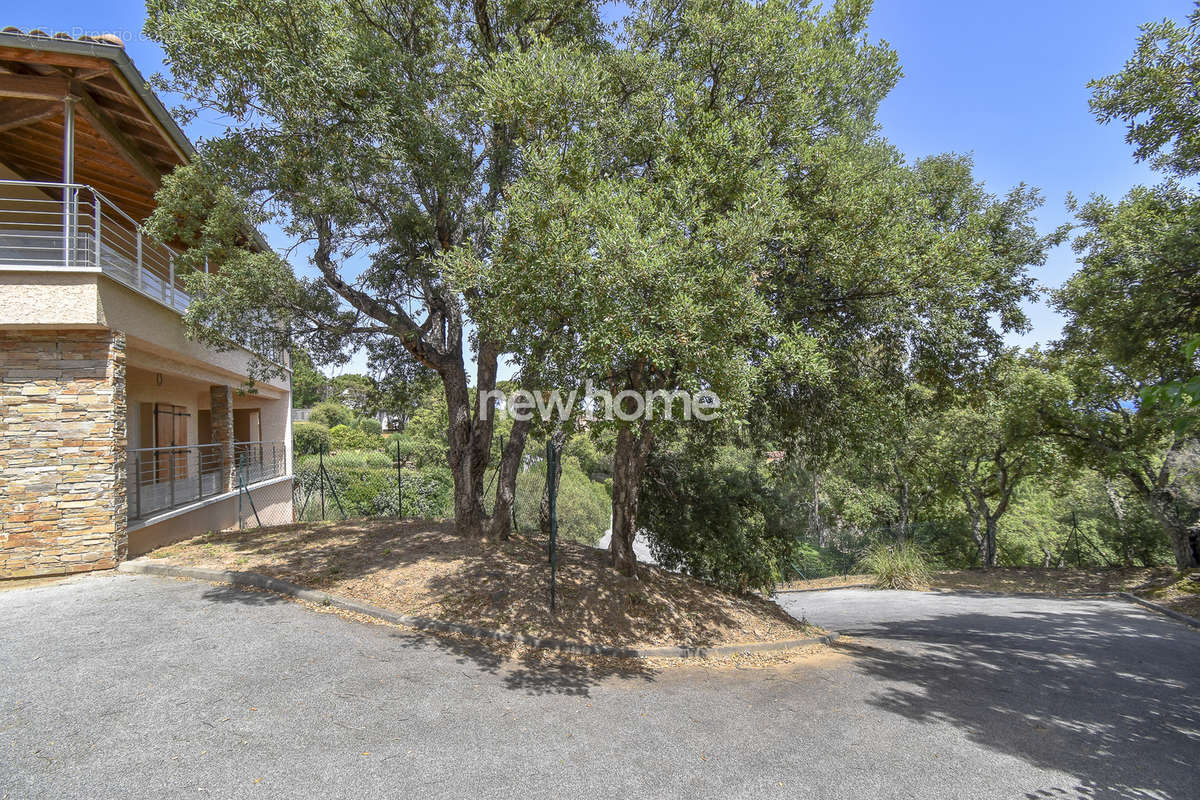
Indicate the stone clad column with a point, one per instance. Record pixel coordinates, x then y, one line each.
222 432
62 451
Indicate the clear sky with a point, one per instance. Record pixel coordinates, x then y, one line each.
1003 80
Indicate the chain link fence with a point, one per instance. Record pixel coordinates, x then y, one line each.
357 484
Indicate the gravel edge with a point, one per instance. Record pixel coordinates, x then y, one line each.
139 567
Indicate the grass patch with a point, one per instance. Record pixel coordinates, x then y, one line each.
895 567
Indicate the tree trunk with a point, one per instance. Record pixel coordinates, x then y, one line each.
902 522
1179 519
814 511
1183 533
988 552
468 479
506 480
629 461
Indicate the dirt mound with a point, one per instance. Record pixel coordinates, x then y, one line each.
422 568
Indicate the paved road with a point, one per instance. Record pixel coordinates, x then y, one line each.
130 686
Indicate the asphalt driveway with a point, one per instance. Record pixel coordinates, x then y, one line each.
130 686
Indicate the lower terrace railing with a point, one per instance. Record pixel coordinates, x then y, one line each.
47 225
163 478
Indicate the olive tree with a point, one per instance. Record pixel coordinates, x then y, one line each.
357 127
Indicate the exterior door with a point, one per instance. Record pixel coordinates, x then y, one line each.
170 437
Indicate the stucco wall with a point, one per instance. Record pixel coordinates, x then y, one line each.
62 451
156 329
48 299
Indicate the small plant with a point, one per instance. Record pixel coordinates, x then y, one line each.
896 567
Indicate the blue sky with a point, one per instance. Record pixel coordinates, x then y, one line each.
1003 80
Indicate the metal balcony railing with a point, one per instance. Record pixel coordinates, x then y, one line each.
163 478
260 461
47 225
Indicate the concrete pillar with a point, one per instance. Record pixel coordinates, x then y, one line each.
222 432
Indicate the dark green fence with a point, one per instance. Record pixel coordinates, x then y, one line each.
356 484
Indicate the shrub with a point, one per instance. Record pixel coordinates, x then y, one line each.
364 485
416 452
896 567
309 438
371 426
343 437
713 515
584 507
595 462
331 415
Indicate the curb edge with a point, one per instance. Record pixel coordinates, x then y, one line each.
424 623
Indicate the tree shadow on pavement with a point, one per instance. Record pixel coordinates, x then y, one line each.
1109 695
536 672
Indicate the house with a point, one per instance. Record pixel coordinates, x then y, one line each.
117 432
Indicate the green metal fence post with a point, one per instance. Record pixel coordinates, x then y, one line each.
552 493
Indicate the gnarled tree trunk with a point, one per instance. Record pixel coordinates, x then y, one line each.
461 457
1180 524
500 526
629 462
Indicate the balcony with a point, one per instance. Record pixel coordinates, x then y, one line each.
72 227
165 478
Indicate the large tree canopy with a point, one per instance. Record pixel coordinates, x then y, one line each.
652 183
1134 305
359 128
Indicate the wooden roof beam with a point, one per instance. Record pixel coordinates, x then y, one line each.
27 112
34 87
120 142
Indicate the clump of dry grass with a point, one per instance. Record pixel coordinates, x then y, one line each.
896 567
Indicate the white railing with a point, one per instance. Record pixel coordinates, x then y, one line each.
163 478
47 225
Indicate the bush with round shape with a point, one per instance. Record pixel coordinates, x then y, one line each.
343 437
309 438
331 415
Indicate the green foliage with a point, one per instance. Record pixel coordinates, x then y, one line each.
364 483
896 567
582 504
594 458
343 437
1135 300
1177 398
359 129
370 426
308 384
714 515
331 414
1075 522
358 392
419 452
309 438
1155 94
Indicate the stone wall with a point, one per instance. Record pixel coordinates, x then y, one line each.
221 416
62 451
